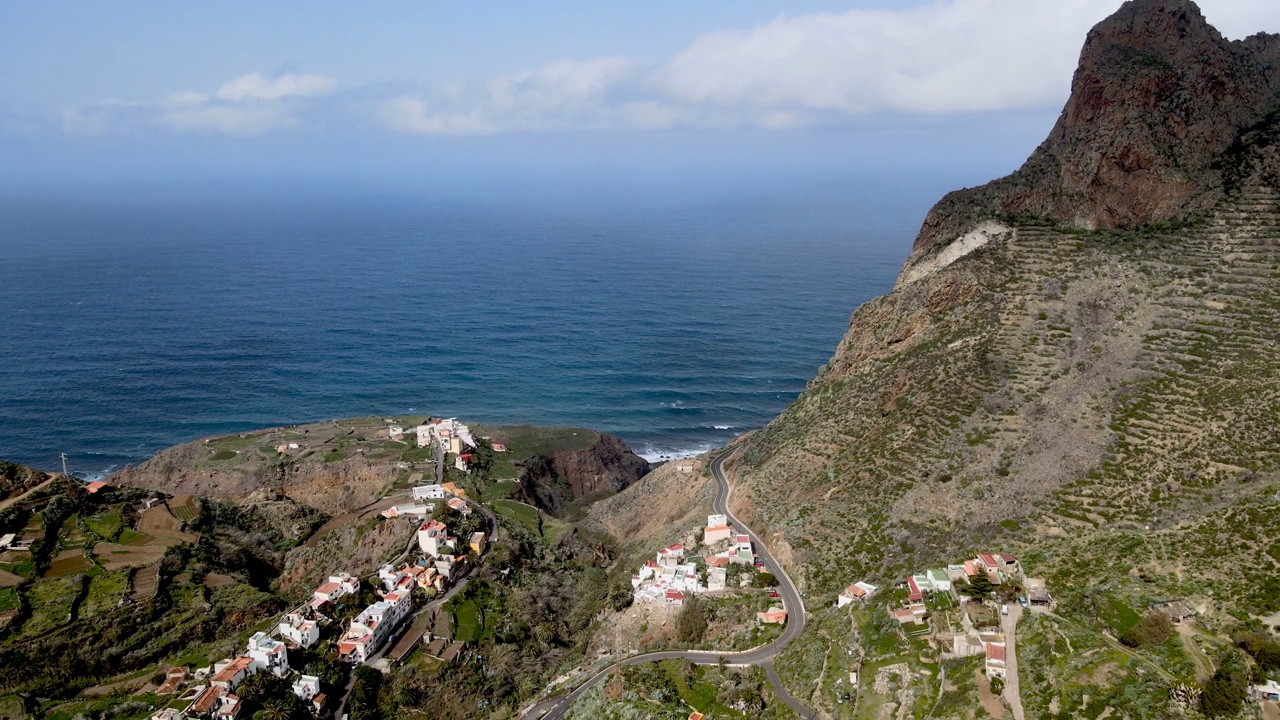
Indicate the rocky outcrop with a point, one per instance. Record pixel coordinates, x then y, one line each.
1158 97
331 488
553 482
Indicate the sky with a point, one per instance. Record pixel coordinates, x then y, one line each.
404 92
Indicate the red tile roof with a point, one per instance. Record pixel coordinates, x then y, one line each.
914 589
206 700
995 652
94 487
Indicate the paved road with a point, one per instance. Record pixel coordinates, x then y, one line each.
554 708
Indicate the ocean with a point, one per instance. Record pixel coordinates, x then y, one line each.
130 323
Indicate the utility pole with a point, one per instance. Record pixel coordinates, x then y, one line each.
64 464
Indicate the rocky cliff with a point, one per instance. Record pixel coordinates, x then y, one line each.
555 481
1158 98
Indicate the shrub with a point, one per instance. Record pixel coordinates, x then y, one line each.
764 580
1153 629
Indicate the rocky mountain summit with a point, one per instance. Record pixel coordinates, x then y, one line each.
1078 365
1157 101
1062 362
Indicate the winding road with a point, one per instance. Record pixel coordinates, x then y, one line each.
555 708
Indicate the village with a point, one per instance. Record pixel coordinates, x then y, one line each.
351 619
725 559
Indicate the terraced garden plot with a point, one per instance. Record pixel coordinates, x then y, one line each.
106 524
69 562
161 524
184 507
51 600
145 583
105 593
117 557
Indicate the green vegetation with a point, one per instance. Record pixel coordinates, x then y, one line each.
1153 628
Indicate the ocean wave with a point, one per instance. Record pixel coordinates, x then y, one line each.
661 455
722 427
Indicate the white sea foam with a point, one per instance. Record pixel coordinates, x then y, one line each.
661 455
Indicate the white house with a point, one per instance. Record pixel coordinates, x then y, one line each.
228 673
995 665
370 628
335 587
266 653
298 630
1268 691
306 687
857 591
390 577
411 510
716 577
428 492
717 530
432 538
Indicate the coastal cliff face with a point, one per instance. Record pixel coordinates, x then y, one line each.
1158 98
1045 384
555 481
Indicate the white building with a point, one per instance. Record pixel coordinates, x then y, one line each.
856 591
428 492
369 630
299 631
306 687
432 537
410 510
390 577
716 578
266 653
335 587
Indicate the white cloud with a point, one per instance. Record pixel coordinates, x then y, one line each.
943 57
257 87
229 119
247 106
558 96
946 57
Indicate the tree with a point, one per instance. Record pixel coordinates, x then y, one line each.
620 596
691 624
1153 629
764 580
1226 691
980 587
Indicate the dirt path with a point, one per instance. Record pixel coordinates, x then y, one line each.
348 517
1012 692
1204 666
5 505
989 701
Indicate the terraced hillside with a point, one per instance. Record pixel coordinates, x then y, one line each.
1047 384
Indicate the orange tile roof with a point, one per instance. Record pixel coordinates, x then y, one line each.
206 700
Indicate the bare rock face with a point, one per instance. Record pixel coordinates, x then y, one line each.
554 481
1158 97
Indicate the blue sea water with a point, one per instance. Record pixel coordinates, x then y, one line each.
129 323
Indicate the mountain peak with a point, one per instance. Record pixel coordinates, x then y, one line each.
1158 96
